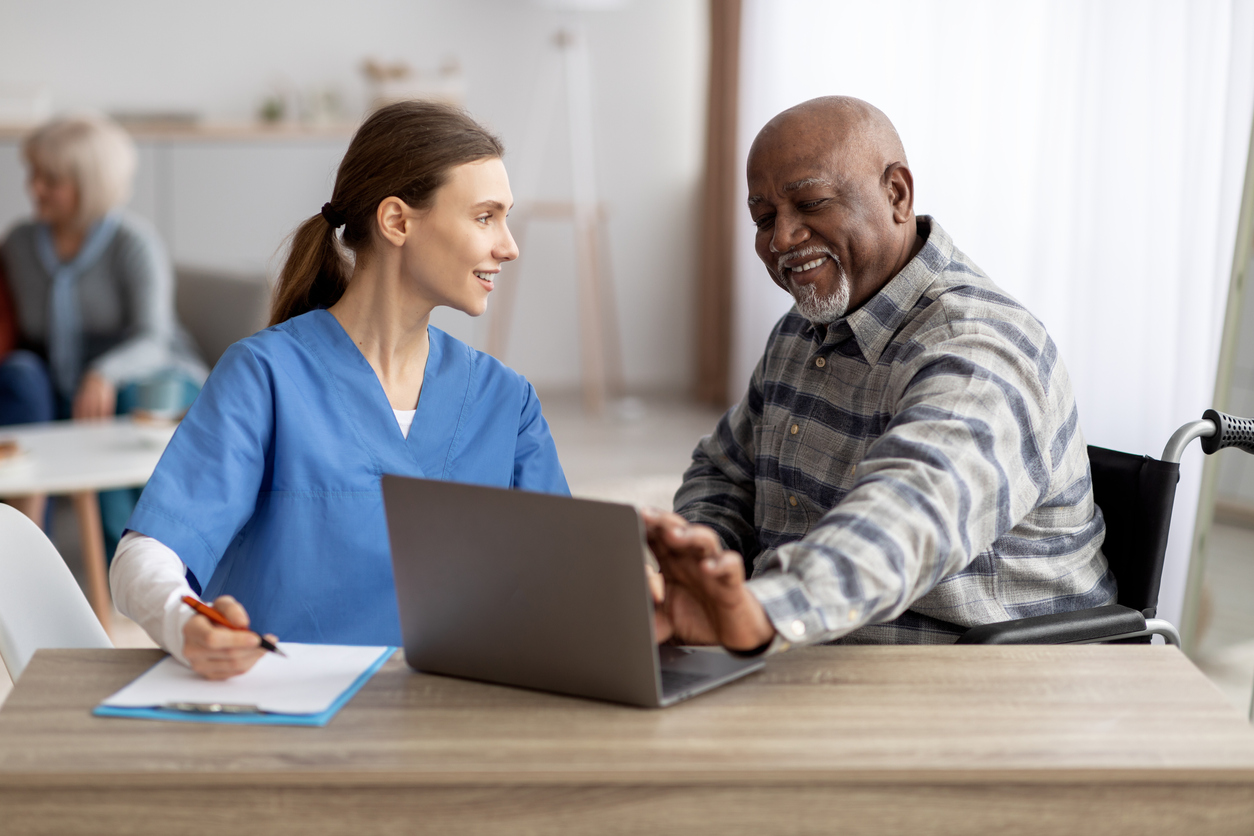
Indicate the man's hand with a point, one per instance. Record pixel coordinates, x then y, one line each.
96 398
217 652
701 596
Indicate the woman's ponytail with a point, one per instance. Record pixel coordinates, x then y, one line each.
315 273
403 150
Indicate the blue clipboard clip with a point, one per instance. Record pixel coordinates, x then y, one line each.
212 708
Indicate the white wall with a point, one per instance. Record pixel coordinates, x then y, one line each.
221 59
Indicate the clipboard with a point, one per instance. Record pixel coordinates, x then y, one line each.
305 689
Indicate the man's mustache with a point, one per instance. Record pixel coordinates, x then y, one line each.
801 254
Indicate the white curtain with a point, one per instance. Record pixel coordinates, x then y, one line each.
1089 156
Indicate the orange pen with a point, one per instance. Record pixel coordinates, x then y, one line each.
218 618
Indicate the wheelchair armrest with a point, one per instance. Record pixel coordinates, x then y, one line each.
1059 628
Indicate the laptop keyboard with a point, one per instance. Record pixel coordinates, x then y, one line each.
674 681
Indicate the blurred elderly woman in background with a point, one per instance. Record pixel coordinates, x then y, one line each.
93 295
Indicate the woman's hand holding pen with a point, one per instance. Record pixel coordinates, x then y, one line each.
217 652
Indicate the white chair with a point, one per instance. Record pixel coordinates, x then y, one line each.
40 602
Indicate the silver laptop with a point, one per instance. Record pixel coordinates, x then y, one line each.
538 591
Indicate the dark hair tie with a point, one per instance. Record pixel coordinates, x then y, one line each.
334 216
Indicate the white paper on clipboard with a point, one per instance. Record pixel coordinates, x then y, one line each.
308 681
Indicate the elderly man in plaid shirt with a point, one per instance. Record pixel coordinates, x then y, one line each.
908 461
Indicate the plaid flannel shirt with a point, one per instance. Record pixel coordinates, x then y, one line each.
911 470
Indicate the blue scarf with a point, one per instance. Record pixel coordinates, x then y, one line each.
65 315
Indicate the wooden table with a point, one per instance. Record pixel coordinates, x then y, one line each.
1017 740
79 458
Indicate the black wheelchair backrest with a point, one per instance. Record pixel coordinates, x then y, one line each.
1135 494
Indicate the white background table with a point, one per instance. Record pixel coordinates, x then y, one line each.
78 459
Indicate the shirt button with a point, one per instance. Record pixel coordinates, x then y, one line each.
792 500
794 429
798 627
820 362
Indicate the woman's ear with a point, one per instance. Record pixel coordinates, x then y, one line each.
393 220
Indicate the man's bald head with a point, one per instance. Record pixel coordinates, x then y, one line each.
860 128
829 177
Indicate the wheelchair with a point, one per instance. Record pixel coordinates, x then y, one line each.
1135 494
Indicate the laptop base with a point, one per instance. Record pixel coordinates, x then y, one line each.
688 671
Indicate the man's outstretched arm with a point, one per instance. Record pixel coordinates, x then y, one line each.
966 456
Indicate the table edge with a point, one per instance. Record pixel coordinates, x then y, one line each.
1150 776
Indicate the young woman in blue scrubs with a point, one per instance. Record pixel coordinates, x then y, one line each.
268 497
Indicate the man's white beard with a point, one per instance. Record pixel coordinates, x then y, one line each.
822 310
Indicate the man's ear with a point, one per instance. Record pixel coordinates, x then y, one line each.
392 220
899 183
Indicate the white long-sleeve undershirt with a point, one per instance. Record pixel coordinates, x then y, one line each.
148 580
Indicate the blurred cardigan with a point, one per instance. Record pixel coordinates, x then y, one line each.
126 299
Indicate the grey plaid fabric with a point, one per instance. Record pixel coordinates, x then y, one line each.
909 471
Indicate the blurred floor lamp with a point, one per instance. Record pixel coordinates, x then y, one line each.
567 66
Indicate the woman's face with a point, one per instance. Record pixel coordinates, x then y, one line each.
55 198
460 241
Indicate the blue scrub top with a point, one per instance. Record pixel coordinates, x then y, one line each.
270 487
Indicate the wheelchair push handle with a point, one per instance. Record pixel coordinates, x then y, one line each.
1230 431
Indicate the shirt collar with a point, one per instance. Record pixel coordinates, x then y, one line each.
878 319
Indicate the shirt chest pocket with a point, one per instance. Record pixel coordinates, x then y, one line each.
816 465
777 504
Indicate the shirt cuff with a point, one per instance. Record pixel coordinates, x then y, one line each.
796 618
